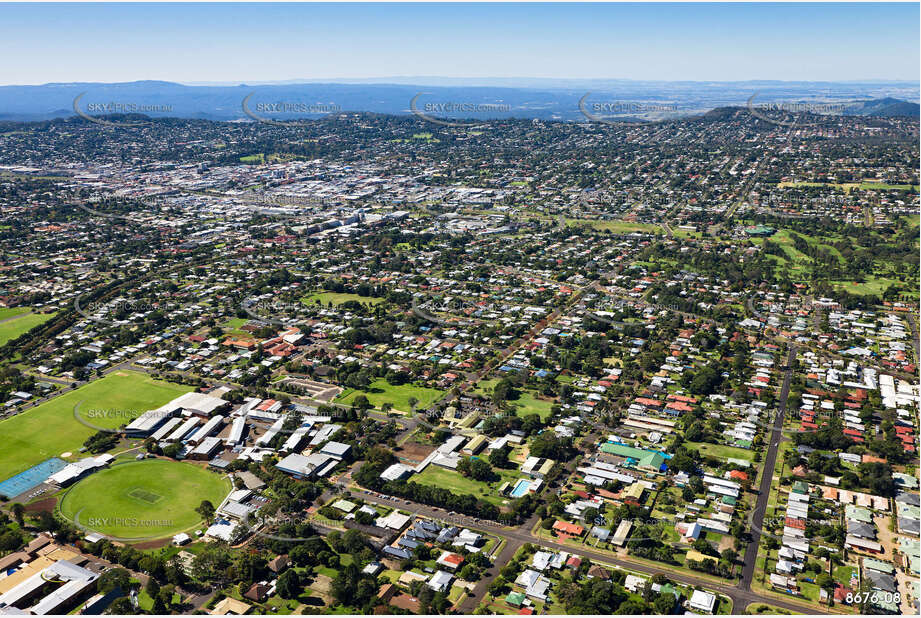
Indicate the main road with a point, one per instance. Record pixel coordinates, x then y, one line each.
740 595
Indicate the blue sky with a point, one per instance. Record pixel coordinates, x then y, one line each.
243 42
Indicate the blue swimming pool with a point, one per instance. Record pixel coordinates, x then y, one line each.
520 488
33 477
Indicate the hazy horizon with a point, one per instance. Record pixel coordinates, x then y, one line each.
269 43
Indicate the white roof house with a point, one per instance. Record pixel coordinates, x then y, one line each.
440 581
702 601
394 521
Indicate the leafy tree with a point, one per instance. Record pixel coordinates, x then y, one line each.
122 606
152 588
112 579
289 584
664 603
18 511
205 509
499 457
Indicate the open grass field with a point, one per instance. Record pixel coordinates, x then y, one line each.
449 479
19 325
381 392
799 266
873 285
337 298
235 323
147 499
11 312
50 429
233 328
798 262
484 387
425 136
618 227
721 451
680 233
527 403
847 187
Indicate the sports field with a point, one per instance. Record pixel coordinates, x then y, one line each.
22 324
147 499
50 429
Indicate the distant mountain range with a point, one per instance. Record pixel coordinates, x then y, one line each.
447 98
884 107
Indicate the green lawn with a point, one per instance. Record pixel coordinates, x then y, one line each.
449 479
381 392
234 323
849 186
146 499
873 285
809 591
10 312
721 451
50 429
14 328
679 233
799 266
843 574
337 298
764 608
484 387
528 403
146 603
618 227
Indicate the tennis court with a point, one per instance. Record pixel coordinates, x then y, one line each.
33 477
